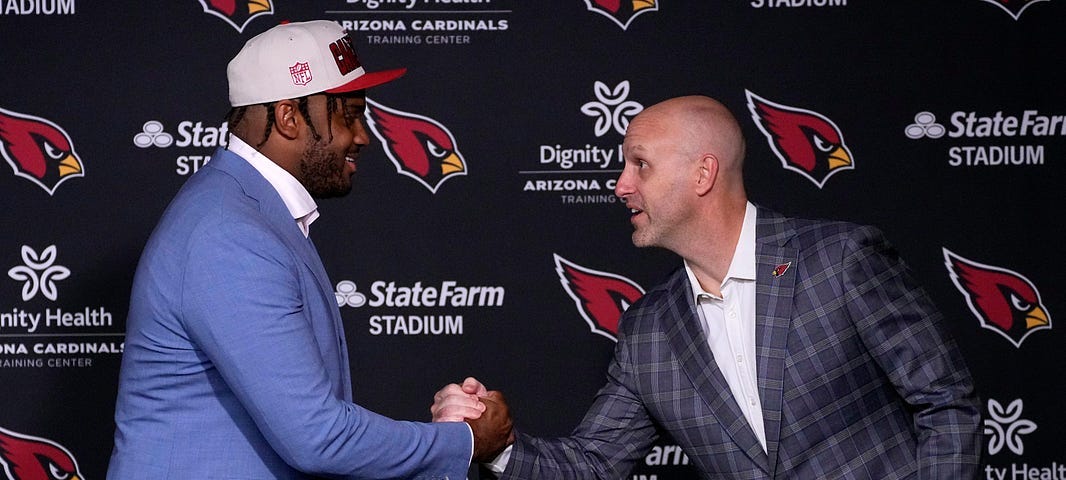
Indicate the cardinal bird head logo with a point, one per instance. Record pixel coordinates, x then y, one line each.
807 142
601 297
622 12
1014 7
419 146
32 458
1003 301
238 13
38 150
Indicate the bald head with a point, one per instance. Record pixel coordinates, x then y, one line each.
697 127
704 126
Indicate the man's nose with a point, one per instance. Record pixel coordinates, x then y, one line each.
359 133
623 187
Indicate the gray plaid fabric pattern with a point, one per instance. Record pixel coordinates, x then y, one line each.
857 375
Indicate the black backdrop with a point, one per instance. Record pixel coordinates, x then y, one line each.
952 112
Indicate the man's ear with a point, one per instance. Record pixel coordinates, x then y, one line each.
287 118
707 170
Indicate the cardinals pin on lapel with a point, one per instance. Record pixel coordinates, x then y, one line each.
781 269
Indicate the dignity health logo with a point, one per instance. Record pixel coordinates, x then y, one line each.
1014 8
584 174
1006 426
612 109
39 273
1006 430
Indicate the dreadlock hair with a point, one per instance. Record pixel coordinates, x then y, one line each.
236 115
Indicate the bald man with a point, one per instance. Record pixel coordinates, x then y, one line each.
781 348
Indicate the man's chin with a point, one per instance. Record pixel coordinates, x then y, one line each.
332 192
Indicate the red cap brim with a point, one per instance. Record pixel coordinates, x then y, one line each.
370 79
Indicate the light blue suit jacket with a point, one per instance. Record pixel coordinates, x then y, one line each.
235 364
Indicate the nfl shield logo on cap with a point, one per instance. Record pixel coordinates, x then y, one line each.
301 73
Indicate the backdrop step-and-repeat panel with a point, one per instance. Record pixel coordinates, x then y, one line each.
953 112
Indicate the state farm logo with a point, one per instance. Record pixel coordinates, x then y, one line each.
190 134
1005 427
600 297
38 150
805 141
995 136
622 12
152 135
39 273
420 147
348 295
1004 301
1014 8
419 308
584 174
26 457
237 13
924 126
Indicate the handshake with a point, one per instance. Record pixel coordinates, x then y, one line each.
485 411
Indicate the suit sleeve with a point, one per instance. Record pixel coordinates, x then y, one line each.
905 332
242 305
614 434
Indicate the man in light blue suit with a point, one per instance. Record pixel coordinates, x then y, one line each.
235 363
782 348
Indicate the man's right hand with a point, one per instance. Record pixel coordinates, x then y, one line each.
493 429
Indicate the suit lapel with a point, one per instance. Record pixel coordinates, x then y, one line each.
273 209
280 219
688 340
776 270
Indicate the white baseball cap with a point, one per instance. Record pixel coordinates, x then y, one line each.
297 59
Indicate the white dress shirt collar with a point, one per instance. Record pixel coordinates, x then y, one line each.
742 267
300 204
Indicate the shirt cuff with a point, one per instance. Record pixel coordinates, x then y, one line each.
499 464
471 429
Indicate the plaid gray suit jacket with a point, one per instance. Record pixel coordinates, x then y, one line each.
857 375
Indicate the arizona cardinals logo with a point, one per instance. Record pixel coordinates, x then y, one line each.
1014 7
622 12
806 142
238 12
32 458
601 297
420 147
1004 301
38 150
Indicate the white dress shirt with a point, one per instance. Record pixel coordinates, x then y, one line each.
300 204
729 322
